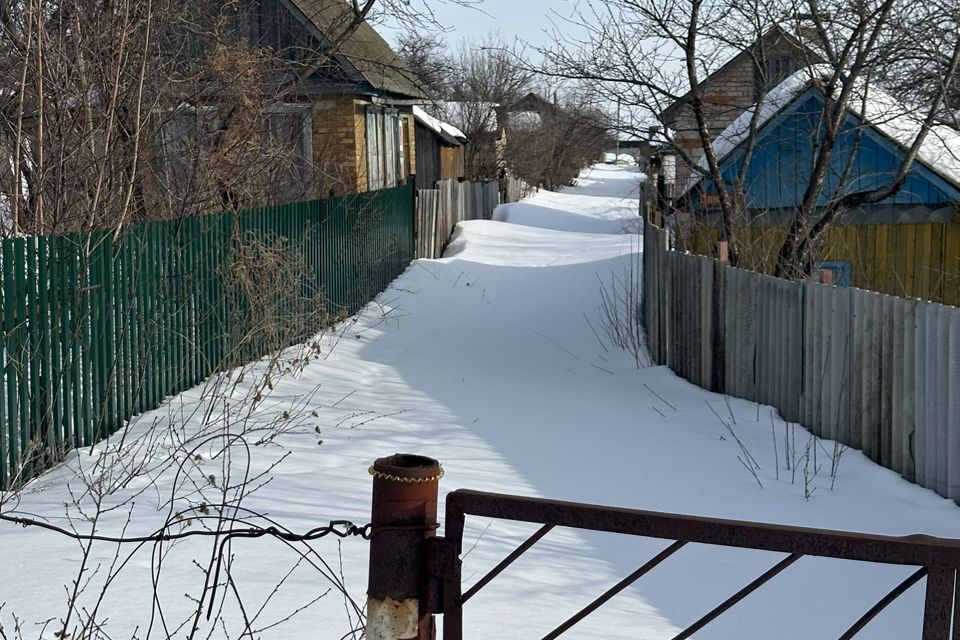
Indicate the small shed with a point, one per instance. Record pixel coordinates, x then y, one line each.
440 149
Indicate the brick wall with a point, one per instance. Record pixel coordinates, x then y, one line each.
336 138
726 95
340 143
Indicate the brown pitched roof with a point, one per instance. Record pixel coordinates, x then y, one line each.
364 49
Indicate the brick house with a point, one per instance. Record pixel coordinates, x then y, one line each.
357 112
734 88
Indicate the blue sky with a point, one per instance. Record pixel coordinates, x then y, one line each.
523 19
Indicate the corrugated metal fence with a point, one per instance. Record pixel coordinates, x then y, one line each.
875 372
439 210
95 329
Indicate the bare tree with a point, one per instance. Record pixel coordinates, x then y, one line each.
425 54
485 76
651 54
551 145
116 112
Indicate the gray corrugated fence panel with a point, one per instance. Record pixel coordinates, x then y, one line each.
797 356
825 326
865 383
706 321
840 356
776 344
745 335
673 311
909 388
766 349
666 298
676 310
942 390
732 338
920 399
657 279
650 292
926 441
677 307
718 335
887 357
806 392
795 381
660 259
858 371
814 366
931 393
873 376
761 354
693 322
686 309
664 277
819 355
931 321
953 408
895 344
779 345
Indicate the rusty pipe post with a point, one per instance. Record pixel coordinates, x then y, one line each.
404 515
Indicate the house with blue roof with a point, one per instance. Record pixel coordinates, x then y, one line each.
907 244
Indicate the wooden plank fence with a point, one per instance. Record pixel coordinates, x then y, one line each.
874 372
439 210
95 329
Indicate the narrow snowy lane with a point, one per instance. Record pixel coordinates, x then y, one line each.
488 360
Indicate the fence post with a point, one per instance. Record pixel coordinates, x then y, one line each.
718 337
404 515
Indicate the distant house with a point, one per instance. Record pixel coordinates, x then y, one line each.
735 87
484 155
440 150
546 143
908 244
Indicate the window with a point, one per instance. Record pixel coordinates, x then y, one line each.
187 138
287 137
374 152
386 165
775 70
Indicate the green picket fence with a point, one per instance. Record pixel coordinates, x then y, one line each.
95 329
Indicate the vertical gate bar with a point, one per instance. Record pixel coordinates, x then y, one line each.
452 587
938 603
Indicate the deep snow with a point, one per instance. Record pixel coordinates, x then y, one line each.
485 360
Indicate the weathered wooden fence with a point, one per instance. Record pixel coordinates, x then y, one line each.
514 189
875 372
439 210
95 328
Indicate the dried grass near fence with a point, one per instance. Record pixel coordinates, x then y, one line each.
98 328
875 372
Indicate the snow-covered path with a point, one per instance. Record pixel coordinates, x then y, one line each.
486 360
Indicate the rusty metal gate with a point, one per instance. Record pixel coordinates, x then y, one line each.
432 584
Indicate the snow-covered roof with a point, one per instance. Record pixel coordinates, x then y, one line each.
940 150
443 129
